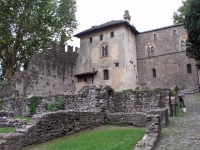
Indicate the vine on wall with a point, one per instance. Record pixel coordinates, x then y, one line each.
33 103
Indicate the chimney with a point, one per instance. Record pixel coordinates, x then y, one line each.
127 17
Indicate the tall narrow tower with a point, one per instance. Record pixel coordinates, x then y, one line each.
127 17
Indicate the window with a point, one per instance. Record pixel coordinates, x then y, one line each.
101 37
105 74
150 50
104 50
189 68
154 72
112 34
174 33
117 64
91 40
155 37
183 45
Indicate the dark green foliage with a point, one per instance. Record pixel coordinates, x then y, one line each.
179 16
58 104
1 104
27 26
173 93
192 25
33 103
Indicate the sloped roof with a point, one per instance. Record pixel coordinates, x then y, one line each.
86 74
107 24
166 27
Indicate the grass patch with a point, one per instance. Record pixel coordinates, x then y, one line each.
7 129
101 138
197 96
28 119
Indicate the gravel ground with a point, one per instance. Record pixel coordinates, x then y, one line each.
183 132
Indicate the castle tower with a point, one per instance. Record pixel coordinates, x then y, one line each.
127 17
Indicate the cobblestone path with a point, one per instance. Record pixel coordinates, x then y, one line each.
183 132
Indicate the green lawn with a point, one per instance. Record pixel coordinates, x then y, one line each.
7 129
101 138
22 117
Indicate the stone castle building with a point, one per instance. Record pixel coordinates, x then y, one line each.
116 54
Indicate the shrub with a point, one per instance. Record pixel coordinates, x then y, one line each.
33 103
58 104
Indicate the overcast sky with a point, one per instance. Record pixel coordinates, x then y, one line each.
145 14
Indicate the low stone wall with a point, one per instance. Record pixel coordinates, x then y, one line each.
6 114
163 113
134 119
10 122
153 131
47 126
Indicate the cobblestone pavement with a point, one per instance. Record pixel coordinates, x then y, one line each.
183 132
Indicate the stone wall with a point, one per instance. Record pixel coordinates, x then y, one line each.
153 131
169 60
134 119
97 98
50 72
47 126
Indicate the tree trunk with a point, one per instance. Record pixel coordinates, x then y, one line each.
9 72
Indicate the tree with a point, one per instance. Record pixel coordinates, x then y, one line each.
31 25
179 16
192 25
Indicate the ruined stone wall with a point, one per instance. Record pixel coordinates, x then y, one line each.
48 126
139 101
134 119
49 72
95 98
168 58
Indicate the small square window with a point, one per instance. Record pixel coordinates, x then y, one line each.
91 40
117 64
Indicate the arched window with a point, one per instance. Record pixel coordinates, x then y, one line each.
104 50
155 37
174 33
150 50
105 75
183 45
189 68
154 72
112 34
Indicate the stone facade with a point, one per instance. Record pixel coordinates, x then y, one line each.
169 60
119 61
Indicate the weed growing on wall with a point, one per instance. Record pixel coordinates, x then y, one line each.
33 103
58 104
134 91
1 104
